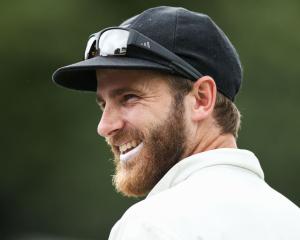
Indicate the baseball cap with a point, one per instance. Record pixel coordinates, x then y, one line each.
192 38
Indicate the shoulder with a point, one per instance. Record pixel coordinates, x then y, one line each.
143 221
171 214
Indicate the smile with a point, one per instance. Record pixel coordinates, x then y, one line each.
129 150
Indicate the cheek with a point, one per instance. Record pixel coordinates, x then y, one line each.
139 119
141 116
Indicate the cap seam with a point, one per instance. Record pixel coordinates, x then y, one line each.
175 31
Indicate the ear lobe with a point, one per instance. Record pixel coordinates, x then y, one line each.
204 93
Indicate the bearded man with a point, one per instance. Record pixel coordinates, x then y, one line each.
166 81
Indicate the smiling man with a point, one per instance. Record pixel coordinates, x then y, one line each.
139 128
166 81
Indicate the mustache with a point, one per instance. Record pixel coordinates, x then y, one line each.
123 136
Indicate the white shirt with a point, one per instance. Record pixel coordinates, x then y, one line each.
215 195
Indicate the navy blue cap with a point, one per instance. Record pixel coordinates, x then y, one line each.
192 36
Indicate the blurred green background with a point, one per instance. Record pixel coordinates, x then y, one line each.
55 172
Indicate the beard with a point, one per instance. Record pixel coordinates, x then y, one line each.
163 147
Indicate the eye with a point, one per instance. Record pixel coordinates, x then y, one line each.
101 104
129 97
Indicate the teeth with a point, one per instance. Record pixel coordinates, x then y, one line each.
123 148
130 154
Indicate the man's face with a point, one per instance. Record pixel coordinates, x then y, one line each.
143 123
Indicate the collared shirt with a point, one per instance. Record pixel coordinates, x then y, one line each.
215 195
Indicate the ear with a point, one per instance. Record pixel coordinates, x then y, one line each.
204 94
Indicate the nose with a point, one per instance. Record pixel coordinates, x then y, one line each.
110 122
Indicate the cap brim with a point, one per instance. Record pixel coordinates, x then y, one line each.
82 75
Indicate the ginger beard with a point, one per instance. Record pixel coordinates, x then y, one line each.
163 146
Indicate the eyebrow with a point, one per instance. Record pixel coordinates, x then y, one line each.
116 92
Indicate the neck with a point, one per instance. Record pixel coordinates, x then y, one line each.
222 141
212 139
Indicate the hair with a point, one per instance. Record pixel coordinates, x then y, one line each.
226 114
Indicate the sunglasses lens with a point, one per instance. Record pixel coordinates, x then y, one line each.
90 50
113 42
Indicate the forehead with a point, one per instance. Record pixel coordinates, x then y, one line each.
140 80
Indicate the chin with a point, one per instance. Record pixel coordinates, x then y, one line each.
134 178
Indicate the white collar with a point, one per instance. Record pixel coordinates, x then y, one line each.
223 156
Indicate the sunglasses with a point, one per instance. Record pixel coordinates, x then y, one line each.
118 41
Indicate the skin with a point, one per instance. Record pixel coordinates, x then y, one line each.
137 103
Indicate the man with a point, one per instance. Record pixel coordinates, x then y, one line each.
166 80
